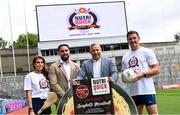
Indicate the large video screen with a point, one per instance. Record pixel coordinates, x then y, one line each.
80 21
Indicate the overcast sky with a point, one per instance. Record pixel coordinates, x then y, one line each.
155 20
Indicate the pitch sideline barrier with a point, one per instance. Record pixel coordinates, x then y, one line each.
10 105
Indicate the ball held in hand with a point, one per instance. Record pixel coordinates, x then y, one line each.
127 75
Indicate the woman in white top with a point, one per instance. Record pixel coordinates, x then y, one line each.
36 86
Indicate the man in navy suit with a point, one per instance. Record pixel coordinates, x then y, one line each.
98 66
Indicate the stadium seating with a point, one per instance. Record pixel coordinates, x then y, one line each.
10 105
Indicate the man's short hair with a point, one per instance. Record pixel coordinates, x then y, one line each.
62 45
132 32
93 44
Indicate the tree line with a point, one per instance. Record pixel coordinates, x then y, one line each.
21 42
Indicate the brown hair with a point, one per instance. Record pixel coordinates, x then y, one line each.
132 32
90 47
44 70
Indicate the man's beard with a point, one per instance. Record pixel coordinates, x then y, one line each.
65 57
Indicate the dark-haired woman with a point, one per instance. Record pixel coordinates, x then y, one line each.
36 86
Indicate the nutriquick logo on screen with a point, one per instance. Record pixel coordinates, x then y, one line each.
83 18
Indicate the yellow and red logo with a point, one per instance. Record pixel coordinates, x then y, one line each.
83 19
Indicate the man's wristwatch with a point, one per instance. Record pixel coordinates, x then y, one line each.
145 74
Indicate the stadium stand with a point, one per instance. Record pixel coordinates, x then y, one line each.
11 98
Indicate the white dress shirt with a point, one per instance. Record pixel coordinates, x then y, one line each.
67 70
97 68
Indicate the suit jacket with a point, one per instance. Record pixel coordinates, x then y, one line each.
108 68
58 79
